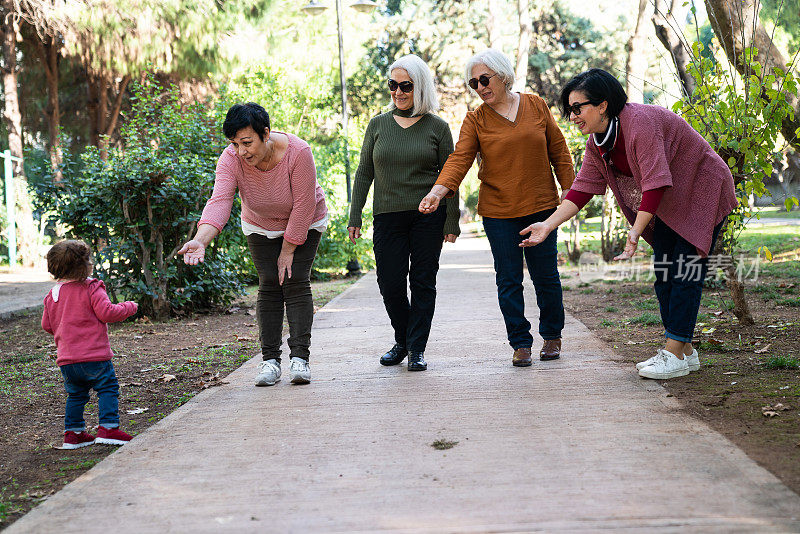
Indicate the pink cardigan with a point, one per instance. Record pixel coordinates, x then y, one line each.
76 313
663 150
286 198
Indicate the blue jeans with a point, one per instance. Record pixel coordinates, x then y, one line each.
79 379
542 261
679 273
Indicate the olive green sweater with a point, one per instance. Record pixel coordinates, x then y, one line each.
404 163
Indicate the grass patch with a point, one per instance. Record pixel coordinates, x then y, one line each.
606 323
611 309
587 291
647 319
443 444
648 304
790 301
781 269
782 362
777 239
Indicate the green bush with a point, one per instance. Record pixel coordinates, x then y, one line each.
138 206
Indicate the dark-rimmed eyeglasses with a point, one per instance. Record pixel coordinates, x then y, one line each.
575 109
482 79
406 86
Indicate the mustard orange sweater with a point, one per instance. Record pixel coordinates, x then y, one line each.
515 159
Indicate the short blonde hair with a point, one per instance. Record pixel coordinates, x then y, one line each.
494 60
425 98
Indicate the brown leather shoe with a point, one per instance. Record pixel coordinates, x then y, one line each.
522 357
551 350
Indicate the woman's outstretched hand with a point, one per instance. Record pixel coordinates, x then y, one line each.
193 252
450 238
538 233
630 246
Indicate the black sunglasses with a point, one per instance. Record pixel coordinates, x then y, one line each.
575 108
483 79
406 86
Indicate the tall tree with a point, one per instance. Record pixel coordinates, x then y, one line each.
46 36
523 45
12 118
492 21
665 21
737 25
636 63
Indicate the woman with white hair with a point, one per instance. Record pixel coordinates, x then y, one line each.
403 152
520 145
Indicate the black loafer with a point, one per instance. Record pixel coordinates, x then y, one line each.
416 362
395 355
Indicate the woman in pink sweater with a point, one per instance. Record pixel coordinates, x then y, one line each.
283 217
76 312
672 187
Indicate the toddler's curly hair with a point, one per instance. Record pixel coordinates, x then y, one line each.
69 260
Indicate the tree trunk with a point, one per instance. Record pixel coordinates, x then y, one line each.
665 21
28 237
523 46
636 64
103 123
492 28
48 52
737 27
740 307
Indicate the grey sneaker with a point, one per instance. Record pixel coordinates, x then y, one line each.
666 366
269 372
692 360
299 371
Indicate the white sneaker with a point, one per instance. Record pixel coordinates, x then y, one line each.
666 366
269 372
299 371
692 360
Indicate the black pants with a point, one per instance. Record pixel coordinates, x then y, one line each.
295 294
402 239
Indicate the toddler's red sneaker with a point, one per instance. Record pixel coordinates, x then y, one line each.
112 436
76 440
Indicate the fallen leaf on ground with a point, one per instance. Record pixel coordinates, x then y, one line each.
243 338
731 373
251 312
763 349
136 411
130 384
168 378
769 413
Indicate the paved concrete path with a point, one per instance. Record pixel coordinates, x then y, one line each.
580 444
23 289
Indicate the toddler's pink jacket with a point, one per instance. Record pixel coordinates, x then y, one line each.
76 313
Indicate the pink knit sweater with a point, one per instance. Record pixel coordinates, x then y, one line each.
76 313
284 198
663 150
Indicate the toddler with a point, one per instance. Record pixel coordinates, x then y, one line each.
76 311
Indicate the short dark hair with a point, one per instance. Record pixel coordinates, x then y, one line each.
599 86
244 115
69 260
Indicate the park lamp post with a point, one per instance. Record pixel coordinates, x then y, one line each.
362 6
